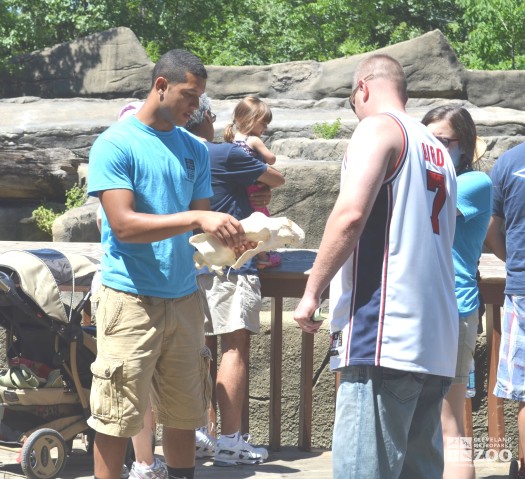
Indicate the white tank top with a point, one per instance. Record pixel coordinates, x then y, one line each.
392 303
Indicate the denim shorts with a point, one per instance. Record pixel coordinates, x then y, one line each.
511 366
149 345
388 424
231 302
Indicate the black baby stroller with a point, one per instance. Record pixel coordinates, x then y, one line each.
44 393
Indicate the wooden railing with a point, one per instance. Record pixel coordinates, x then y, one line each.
492 287
288 281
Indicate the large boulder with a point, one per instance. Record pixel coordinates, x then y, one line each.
495 88
105 65
432 68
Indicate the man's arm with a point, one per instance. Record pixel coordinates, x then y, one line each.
372 152
133 227
495 238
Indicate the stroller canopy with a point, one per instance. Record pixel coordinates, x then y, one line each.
47 276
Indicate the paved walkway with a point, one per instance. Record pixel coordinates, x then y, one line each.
289 462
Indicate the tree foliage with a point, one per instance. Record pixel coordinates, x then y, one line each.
497 34
486 34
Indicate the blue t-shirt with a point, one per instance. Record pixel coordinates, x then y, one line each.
232 170
166 171
474 190
508 177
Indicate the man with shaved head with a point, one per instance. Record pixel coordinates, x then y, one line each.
387 255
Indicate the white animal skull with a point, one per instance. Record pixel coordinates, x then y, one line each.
268 233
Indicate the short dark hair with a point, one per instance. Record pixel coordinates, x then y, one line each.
463 126
174 65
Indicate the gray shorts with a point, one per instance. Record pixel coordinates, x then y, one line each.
231 303
468 332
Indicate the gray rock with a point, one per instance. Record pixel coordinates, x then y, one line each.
78 224
106 65
16 223
432 68
307 149
308 195
29 173
495 88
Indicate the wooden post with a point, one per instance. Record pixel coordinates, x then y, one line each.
496 423
276 353
306 393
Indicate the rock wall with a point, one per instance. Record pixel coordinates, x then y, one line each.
67 95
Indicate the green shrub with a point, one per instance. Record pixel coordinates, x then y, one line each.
45 216
326 130
76 196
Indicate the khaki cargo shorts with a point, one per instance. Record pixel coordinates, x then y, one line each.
149 345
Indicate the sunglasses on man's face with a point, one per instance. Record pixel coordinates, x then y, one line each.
351 98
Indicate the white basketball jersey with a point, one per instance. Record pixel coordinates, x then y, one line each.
392 303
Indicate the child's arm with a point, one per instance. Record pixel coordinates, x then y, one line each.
272 178
258 145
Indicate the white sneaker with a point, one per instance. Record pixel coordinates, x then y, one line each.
157 471
241 453
204 444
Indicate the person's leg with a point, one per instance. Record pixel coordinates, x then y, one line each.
458 454
232 306
179 447
424 453
205 437
108 455
232 448
457 448
511 366
231 379
142 441
181 383
354 445
128 344
374 410
146 465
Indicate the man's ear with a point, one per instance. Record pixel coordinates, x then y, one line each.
161 84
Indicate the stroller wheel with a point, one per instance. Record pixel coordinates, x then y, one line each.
43 454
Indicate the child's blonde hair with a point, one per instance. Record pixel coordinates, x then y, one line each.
247 113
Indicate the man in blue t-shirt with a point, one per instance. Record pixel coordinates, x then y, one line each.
233 300
153 181
508 177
